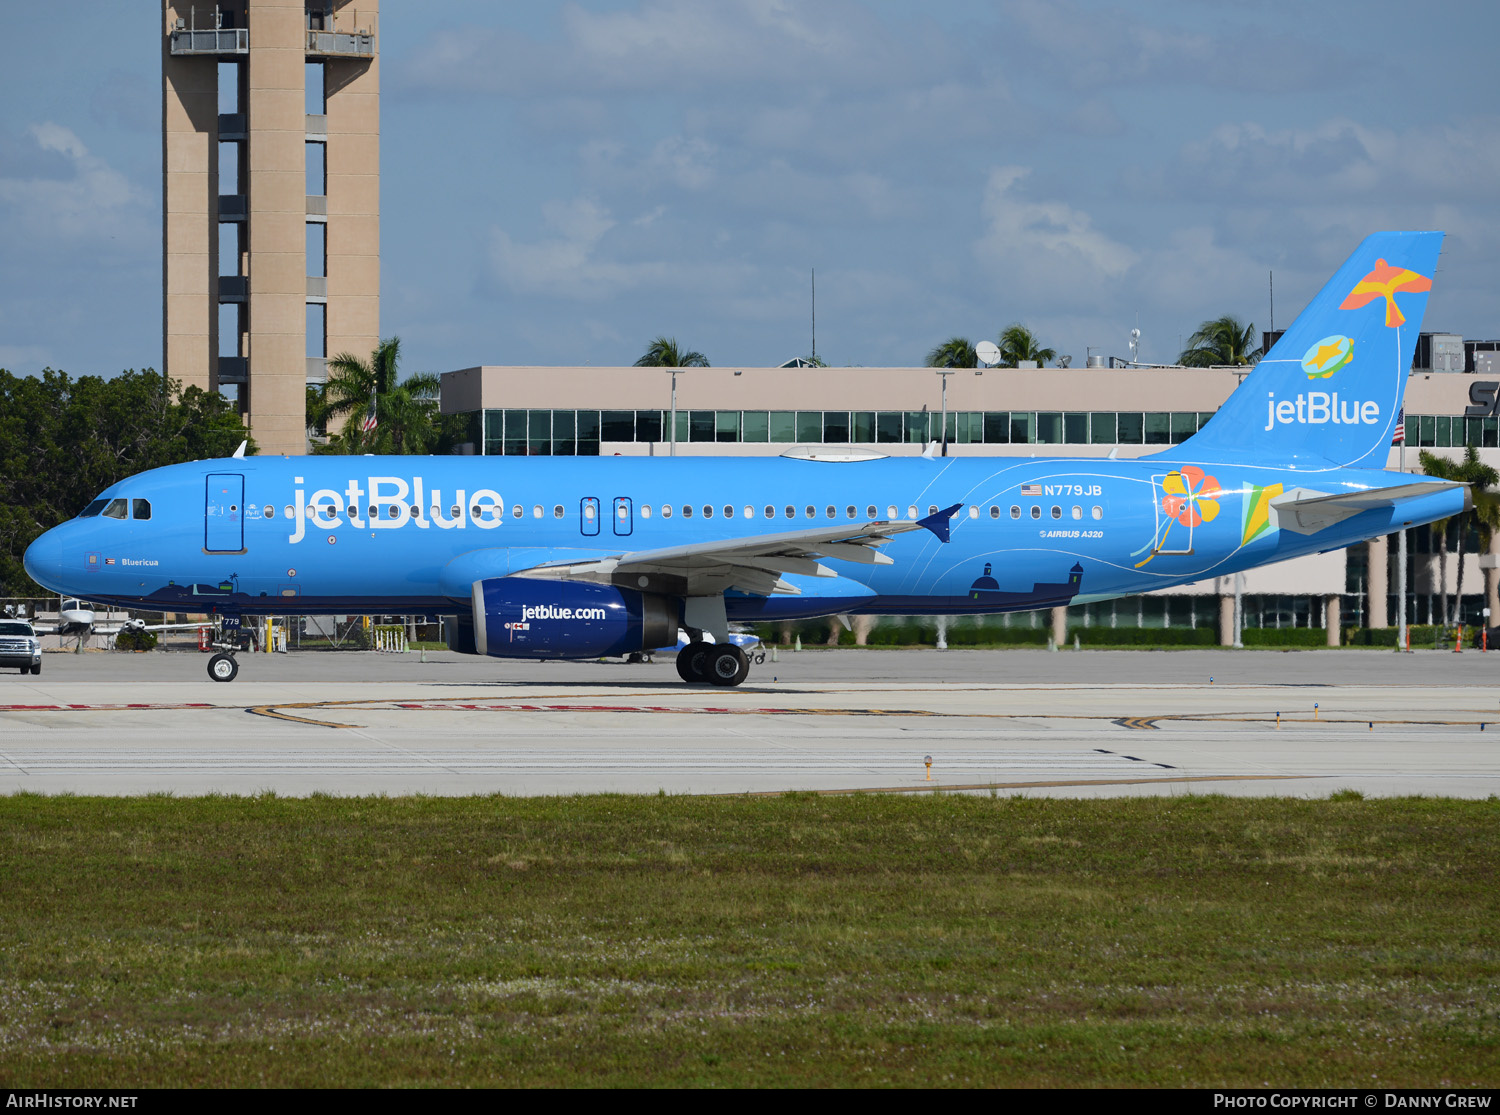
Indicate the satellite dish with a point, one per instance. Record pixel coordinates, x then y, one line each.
988 352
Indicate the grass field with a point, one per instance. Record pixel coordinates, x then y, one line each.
734 941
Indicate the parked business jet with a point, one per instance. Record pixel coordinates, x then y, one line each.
77 619
580 557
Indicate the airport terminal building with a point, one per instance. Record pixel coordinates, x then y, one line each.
1091 411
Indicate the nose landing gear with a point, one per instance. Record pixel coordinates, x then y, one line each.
223 667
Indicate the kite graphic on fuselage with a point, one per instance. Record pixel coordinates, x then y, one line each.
579 557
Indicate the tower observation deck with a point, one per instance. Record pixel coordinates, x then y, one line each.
271 199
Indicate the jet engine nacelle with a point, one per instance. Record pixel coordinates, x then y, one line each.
524 617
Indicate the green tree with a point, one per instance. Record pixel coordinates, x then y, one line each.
405 410
1221 342
1482 515
664 353
1017 343
955 352
62 441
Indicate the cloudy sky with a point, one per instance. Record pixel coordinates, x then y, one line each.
564 181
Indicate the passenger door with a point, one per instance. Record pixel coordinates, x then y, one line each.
224 513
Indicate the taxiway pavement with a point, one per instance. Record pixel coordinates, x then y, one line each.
1091 723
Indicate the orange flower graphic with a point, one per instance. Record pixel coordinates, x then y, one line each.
1189 496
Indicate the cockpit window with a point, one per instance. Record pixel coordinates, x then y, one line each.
92 509
140 509
115 510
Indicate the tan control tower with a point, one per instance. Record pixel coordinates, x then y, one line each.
271 199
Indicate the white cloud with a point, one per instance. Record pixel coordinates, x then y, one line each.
95 202
1045 246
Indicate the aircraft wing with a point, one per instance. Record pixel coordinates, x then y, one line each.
754 564
1304 511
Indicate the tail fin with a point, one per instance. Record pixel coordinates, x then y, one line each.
1329 391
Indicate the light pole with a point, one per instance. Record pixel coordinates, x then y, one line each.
1401 564
673 453
945 373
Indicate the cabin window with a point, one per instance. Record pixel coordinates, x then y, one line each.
890 512
666 511
791 512
453 511
811 511
330 512
871 511
536 511
116 509
268 511
1077 512
851 511
1036 512
749 511
708 511
932 509
687 511
645 511
911 512
394 511
831 511
728 511
1057 512
1098 512
770 511
291 512
516 512
994 511
1015 512
973 511
557 511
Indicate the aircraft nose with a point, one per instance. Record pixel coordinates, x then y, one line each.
43 561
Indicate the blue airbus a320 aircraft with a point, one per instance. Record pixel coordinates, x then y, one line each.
578 557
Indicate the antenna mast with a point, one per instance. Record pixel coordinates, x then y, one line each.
1271 279
815 315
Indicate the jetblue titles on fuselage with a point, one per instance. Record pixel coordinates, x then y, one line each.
390 503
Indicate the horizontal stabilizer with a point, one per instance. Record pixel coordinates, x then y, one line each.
1304 511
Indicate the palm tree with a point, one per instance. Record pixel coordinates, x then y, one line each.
955 352
1017 343
1223 341
1483 514
404 411
664 353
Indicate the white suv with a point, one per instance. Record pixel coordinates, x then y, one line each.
19 646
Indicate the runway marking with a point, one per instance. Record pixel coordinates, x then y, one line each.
282 711
938 786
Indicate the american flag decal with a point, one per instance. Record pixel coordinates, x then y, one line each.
1031 489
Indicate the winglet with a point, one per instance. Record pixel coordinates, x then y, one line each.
939 521
240 452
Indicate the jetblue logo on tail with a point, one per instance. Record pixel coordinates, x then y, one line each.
1317 408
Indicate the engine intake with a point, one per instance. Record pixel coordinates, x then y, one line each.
523 617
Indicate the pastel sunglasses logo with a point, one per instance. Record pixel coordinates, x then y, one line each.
1328 356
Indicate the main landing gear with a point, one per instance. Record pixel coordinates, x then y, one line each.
720 663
